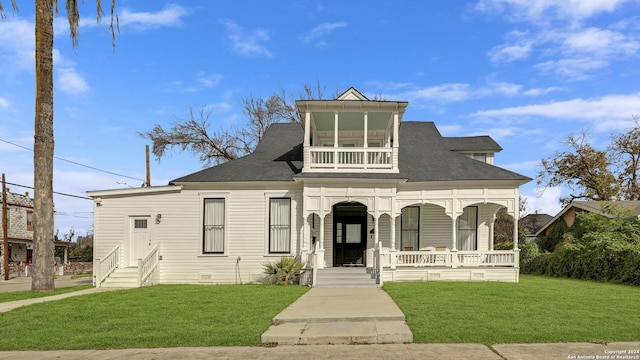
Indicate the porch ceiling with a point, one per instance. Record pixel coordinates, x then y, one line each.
351 121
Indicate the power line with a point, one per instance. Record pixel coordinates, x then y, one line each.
76 163
55 192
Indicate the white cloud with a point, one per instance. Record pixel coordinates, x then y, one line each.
209 80
544 200
321 31
69 81
545 10
16 45
572 69
4 103
247 43
528 166
611 112
171 15
540 91
445 93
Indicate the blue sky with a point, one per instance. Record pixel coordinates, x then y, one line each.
526 72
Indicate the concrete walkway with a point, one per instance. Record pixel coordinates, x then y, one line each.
23 283
340 316
559 351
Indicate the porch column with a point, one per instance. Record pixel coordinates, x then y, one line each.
307 140
515 230
375 231
492 232
454 248
321 261
66 255
366 141
396 141
306 237
454 231
393 232
335 140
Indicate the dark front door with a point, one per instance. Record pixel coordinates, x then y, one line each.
349 235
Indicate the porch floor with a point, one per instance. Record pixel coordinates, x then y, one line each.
340 316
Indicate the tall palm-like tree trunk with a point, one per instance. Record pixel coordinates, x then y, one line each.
43 238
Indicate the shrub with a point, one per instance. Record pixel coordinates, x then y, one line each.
285 271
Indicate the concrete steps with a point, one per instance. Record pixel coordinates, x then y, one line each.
348 277
122 278
340 316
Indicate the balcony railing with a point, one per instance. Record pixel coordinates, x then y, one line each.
350 158
449 259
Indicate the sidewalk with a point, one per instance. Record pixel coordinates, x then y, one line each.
561 351
23 283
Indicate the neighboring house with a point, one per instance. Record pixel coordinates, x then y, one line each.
20 229
20 226
567 216
353 186
533 223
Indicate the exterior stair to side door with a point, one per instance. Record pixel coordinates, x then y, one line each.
122 278
348 277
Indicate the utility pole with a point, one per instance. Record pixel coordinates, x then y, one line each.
5 233
148 169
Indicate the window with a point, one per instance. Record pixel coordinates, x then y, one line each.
279 225
140 223
480 157
29 220
468 228
410 228
213 232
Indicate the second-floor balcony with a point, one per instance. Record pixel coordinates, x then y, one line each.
350 158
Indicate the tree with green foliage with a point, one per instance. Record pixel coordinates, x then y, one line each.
591 174
43 236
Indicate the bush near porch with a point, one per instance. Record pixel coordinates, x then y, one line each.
535 310
596 248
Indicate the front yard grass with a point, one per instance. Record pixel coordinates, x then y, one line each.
157 316
538 309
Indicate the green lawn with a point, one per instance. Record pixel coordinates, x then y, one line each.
28 294
157 316
538 309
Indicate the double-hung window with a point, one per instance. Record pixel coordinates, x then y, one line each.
213 227
410 228
468 228
279 225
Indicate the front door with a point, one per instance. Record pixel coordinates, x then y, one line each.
349 235
140 241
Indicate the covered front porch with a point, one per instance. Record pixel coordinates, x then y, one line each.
426 239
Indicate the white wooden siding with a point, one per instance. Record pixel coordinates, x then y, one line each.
179 232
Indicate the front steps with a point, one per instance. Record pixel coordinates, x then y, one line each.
351 277
122 278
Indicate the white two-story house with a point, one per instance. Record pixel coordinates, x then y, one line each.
353 186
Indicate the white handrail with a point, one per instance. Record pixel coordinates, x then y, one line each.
107 265
148 264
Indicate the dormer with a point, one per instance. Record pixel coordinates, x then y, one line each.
351 133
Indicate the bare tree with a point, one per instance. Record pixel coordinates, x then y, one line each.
212 147
43 147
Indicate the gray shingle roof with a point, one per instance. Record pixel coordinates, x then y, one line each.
424 155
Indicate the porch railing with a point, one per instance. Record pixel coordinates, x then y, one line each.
148 264
350 158
448 258
107 265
